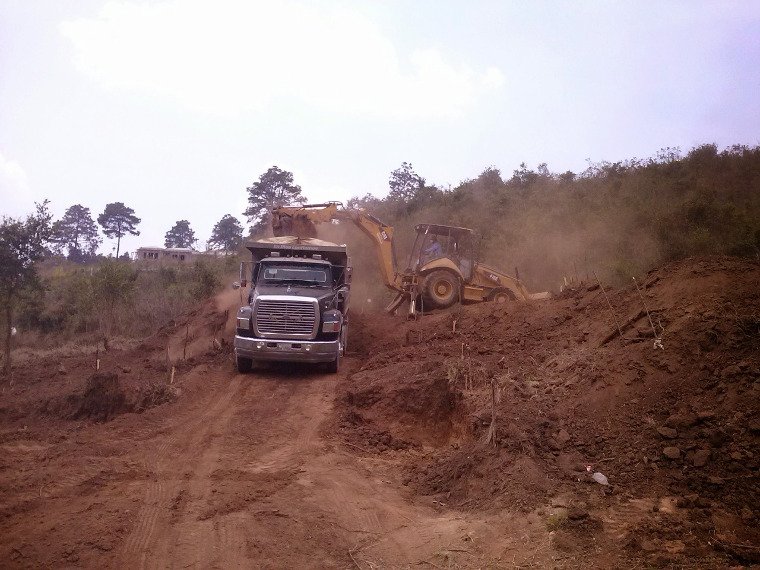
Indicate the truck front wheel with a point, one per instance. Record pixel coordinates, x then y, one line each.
243 364
334 366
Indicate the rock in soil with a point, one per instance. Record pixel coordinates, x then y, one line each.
671 452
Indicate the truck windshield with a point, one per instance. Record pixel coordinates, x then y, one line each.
308 274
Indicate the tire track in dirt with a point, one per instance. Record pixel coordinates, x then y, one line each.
307 405
207 534
194 534
183 437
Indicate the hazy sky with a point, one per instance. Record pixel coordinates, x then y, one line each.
176 106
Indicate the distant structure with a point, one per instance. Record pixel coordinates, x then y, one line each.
171 254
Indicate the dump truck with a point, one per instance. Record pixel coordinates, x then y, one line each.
443 266
297 309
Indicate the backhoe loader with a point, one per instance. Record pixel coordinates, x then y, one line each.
443 267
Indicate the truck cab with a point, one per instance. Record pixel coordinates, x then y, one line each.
297 308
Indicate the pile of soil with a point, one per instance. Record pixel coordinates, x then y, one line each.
654 385
424 407
103 398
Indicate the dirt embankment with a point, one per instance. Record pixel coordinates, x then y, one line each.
92 382
667 408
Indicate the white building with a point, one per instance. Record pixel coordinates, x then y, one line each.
153 254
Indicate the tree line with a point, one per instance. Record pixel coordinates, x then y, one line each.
77 236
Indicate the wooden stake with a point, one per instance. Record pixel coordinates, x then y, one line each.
491 435
614 316
643 301
184 348
171 380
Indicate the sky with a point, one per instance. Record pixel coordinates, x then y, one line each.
175 107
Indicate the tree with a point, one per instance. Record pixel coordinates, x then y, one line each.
181 235
77 232
273 189
227 233
22 244
118 220
405 183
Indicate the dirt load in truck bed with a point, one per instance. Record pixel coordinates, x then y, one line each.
390 463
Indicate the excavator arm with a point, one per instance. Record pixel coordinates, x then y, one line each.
300 221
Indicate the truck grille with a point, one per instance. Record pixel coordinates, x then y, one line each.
286 318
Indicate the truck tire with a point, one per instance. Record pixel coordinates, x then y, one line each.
344 338
334 366
243 365
441 289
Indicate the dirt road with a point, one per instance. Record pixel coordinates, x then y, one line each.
245 472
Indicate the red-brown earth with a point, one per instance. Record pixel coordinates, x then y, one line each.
462 439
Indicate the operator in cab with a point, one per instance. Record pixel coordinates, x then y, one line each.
433 249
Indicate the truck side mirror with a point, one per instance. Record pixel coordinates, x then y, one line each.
236 285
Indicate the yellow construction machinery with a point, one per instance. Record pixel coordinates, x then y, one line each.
443 266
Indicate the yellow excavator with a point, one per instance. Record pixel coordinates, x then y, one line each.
443 268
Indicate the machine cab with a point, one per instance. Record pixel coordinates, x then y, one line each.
436 242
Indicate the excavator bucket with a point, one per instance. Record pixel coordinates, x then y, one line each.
295 225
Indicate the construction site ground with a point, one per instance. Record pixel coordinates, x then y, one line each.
467 438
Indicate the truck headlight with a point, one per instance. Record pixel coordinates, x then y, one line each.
331 326
243 323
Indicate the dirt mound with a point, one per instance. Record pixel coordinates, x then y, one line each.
655 385
419 408
104 395
103 398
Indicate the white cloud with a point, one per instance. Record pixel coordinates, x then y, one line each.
233 56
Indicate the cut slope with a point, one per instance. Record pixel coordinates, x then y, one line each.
675 418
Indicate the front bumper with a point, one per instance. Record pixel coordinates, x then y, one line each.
286 350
